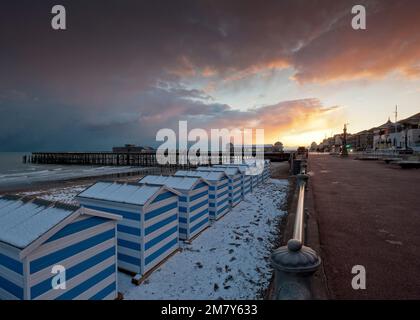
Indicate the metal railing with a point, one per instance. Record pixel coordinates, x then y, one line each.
295 263
299 219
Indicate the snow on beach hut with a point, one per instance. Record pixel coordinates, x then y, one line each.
235 182
246 178
267 170
37 236
257 169
218 190
193 202
148 232
252 172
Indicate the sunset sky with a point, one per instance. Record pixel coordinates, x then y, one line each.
124 69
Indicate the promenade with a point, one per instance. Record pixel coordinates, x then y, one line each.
368 214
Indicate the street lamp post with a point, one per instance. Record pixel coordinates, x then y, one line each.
344 152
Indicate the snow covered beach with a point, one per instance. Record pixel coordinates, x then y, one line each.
44 174
229 260
42 179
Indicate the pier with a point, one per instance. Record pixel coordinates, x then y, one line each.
141 159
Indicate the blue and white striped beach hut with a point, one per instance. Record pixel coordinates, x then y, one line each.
148 232
257 169
251 171
260 170
246 178
218 190
267 170
193 202
38 236
235 182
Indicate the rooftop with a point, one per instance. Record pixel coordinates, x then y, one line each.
181 183
212 176
228 170
129 193
23 220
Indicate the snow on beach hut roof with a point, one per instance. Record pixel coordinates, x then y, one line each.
129 193
181 182
248 169
230 171
254 162
241 167
23 220
212 176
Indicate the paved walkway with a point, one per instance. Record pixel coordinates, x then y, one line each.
368 214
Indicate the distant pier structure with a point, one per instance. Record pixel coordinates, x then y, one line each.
145 158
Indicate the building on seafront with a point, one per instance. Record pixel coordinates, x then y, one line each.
363 140
388 136
403 135
332 144
399 136
411 128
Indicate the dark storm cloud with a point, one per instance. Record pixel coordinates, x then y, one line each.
116 75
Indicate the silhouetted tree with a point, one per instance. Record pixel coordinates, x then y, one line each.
278 147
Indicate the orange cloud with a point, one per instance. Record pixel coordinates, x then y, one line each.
288 121
390 44
320 46
236 75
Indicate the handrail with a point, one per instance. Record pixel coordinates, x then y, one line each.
298 240
295 263
299 219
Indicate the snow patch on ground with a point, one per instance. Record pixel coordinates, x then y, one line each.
278 182
43 173
65 195
229 260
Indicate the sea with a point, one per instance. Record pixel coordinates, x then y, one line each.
14 173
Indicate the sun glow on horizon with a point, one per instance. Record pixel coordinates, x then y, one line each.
300 139
307 128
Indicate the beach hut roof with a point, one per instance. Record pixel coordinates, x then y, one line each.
129 193
241 167
249 169
228 170
212 176
23 220
254 162
181 183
